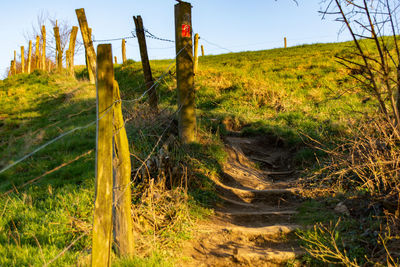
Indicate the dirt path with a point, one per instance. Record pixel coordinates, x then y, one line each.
253 226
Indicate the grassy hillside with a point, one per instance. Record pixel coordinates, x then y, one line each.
281 92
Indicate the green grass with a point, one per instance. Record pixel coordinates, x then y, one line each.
281 92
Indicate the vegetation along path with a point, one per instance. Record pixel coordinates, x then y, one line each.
253 226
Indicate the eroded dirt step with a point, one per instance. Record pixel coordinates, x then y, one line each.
254 221
259 218
246 246
272 196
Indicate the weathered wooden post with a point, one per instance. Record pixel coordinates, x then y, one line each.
202 50
43 64
58 48
184 72
285 41
29 57
87 41
115 60
13 67
72 41
37 52
148 77
196 52
123 46
67 61
90 70
122 217
22 59
102 222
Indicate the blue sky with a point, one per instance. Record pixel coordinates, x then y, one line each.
232 24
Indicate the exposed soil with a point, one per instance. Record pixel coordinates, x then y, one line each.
253 226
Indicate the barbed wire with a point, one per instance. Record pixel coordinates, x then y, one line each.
150 35
114 39
56 139
214 44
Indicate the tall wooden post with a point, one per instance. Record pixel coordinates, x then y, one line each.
87 41
148 77
91 73
115 60
29 57
67 60
22 59
196 52
15 62
122 217
72 41
13 67
102 222
202 50
123 46
43 63
285 40
58 48
37 52
184 72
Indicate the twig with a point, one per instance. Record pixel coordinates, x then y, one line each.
65 250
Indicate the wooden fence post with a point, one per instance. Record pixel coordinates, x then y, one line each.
29 56
72 41
15 61
285 40
87 41
102 222
115 60
37 52
91 73
22 59
123 51
196 52
43 48
122 217
68 61
184 72
202 50
58 48
148 77
13 67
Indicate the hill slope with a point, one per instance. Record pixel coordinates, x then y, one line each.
279 92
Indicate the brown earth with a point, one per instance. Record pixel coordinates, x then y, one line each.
253 225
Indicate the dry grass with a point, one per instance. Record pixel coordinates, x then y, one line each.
367 165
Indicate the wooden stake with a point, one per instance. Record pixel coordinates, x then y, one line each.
122 217
72 41
202 50
184 72
29 56
15 62
13 67
285 40
22 59
58 48
43 64
123 51
196 51
91 73
87 41
102 222
67 60
148 77
115 60
37 52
